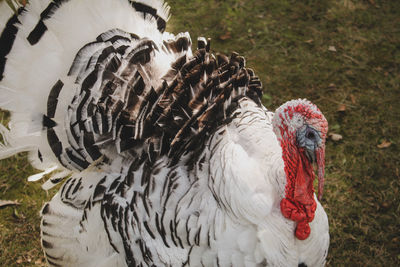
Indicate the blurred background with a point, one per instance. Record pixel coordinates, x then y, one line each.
342 55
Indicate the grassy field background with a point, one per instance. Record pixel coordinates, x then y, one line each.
342 55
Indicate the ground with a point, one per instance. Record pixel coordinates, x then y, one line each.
342 55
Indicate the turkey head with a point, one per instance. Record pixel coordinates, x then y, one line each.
301 129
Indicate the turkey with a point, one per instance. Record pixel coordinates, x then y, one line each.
167 155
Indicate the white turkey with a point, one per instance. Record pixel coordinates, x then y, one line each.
169 156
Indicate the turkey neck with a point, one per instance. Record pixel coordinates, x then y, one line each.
298 204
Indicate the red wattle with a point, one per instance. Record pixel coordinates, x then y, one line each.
303 230
290 211
303 187
299 204
310 210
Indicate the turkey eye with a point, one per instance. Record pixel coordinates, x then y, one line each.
310 135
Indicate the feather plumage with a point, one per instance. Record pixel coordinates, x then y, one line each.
171 158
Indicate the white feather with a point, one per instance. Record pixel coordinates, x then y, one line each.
38 176
54 179
9 146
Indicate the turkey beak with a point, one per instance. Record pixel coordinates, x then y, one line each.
320 158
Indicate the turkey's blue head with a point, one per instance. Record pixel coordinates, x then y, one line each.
301 129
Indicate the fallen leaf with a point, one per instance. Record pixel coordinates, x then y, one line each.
332 48
352 98
225 36
352 237
332 86
40 262
384 144
4 203
335 137
309 41
342 108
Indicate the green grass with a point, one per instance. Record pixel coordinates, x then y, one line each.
287 43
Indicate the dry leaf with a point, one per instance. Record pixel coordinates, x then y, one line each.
352 98
384 144
352 237
4 203
225 36
349 72
335 137
385 205
332 48
309 41
40 262
342 108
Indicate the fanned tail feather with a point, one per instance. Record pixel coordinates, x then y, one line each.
38 176
48 35
55 179
58 39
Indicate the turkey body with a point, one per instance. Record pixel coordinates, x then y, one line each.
170 157
173 216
